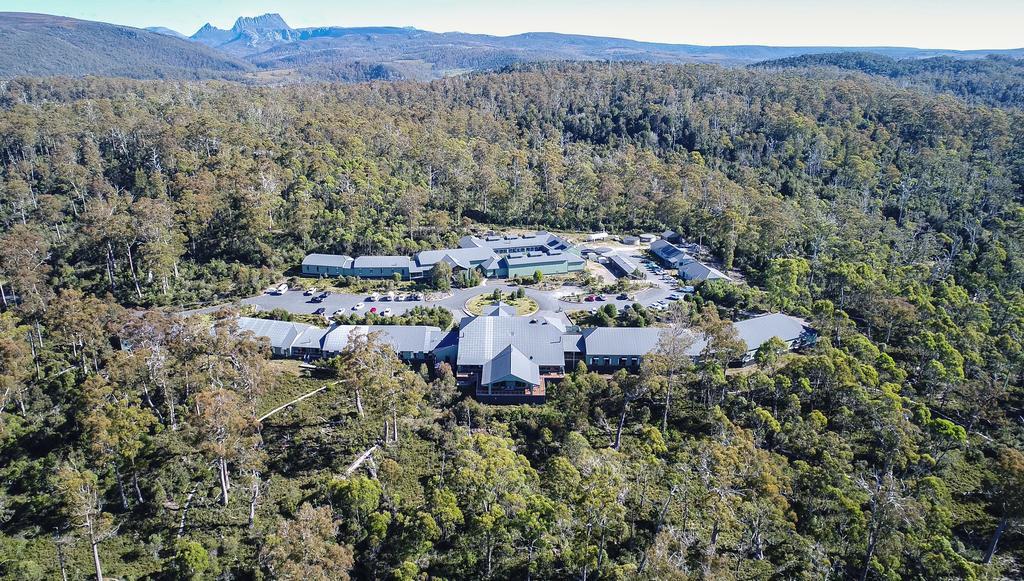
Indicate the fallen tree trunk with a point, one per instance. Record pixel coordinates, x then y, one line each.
359 461
291 403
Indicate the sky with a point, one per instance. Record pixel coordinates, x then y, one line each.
953 24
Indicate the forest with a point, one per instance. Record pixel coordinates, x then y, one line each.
994 80
137 443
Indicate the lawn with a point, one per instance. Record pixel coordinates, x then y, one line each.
523 306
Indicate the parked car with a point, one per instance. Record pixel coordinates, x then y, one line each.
387 312
593 311
600 298
310 291
282 288
373 309
338 313
673 297
686 289
400 297
623 297
357 306
320 311
372 297
589 299
325 294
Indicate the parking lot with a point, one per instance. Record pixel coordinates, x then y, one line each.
295 301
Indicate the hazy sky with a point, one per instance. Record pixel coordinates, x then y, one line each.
961 24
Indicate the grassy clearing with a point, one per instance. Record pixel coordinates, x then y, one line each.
523 306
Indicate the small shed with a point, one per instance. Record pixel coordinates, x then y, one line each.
631 240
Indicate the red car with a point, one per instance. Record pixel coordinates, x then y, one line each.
373 309
590 298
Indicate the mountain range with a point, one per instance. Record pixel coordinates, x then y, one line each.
265 48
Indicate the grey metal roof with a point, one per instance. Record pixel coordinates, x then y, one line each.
510 363
558 319
499 310
622 341
280 334
309 338
414 338
668 251
754 332
383 262
482 338
572 343
463 257
540 240
444 339
624 263
336 260
542 259
696 270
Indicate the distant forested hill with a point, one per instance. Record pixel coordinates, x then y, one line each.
43 45
265 49
994 80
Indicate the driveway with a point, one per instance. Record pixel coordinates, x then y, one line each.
294 301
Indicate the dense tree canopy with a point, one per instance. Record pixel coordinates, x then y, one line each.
137 442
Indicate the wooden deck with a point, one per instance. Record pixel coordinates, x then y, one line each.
471 382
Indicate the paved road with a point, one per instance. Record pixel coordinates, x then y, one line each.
296 302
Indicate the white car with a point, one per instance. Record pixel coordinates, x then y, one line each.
357 306
593 311
386 312
310 291
400 297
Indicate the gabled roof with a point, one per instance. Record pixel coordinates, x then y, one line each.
549 242
632 341
482 338
754 332
553 258
280 334
696 270
624 263
668 252
499 310
622 341
336 260
461 257
510 363
413 338
492 263
382 262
